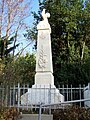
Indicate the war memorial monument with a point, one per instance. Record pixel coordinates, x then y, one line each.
44 90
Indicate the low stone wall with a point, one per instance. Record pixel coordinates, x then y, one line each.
35 117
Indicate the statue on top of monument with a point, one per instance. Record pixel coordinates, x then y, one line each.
44 24
45 15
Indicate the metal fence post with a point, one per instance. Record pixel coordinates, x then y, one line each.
49 96
13 90
3 93
71 93
40 109
88 86
6 96
18 96
67 93
80 93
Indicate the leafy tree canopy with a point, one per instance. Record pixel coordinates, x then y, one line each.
20 70
70 24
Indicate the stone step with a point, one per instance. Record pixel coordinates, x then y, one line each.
35 117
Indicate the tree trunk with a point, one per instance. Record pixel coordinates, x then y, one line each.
83 47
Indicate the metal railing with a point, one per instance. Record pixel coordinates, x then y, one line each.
61 103
11 96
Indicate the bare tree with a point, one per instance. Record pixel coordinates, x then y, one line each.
12 17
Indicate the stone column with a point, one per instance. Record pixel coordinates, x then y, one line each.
44 69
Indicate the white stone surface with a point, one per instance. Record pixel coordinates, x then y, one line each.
87 95
44 67
43 86
44 78
44 54
42 95
43 90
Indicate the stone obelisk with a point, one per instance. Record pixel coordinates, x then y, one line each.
44 67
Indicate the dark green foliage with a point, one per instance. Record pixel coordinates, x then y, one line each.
20 70
70 24
72 73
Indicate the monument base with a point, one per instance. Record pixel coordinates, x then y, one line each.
45 94
44 78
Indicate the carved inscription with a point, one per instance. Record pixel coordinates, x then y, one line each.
42 61
42 35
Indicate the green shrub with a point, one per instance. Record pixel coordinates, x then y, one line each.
72 113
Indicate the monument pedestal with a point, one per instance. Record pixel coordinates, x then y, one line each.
44 78
45 94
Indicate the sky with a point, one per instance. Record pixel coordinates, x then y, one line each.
34 7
